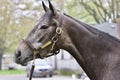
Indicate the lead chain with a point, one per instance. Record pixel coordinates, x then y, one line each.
53 46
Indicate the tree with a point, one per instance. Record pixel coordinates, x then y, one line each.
102 10
74 9
16 19
94 11
2 47
3 28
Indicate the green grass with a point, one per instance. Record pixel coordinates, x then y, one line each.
12 71
69 72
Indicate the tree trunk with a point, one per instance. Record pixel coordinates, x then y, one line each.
1 54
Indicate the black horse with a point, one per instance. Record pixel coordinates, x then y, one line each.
97 52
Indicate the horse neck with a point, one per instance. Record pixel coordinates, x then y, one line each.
78 36
94 50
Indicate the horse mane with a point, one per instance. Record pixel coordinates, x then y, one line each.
95 31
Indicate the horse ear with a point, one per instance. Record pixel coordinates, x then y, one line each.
45 7
52 8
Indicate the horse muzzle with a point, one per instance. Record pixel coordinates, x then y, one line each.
22 59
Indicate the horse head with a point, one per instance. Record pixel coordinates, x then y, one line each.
43 39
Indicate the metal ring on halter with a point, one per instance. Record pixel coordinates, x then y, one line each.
58 30
54 39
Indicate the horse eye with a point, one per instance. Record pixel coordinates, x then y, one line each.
44 27
54 24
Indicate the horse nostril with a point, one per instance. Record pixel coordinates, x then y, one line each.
18 54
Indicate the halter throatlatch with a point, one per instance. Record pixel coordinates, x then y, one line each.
36 51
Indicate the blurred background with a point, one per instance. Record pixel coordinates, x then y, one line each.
17 17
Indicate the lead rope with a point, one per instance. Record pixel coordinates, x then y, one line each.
33 65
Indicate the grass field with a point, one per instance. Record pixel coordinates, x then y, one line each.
12 72
69 72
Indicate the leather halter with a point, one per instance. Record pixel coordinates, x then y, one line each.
52 42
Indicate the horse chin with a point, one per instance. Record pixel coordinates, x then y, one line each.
42 54
24 64
39 56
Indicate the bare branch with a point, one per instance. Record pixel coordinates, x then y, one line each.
104 10
98 9
90 11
